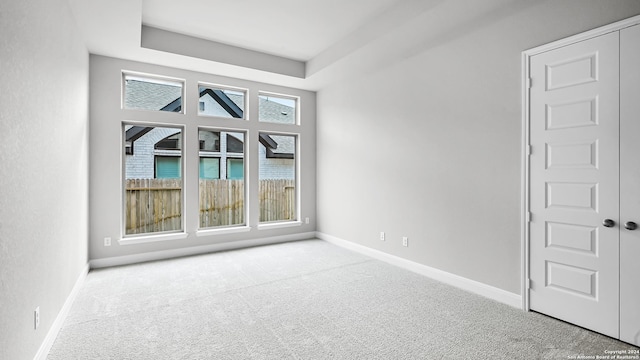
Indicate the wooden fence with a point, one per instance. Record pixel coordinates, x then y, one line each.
277 200
154 205
221 202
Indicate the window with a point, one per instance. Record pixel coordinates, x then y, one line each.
152 93
277 109
221 185
209 140
235 169
155 146
209 168
167 167
221 102
277 177
153 179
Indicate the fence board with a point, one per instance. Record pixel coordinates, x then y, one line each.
277 200
154 205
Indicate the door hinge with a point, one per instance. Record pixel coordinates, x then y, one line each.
529 216
529 150
528 284
529 82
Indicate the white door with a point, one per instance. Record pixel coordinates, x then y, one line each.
630 184
574 183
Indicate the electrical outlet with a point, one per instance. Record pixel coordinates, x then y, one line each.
107 241
36 318
382 235
306 220
405 241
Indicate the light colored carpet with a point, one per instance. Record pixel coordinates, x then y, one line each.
301 300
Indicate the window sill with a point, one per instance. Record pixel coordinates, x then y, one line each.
152 238
278 225
222 231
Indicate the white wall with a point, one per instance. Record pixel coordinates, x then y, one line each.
43 171
433 134
106 167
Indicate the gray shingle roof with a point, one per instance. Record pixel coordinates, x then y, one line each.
286 144
272 111
143 95
153 96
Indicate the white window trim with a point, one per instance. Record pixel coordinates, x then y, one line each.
286 223
167 153
296 121
152 237
252 125
152 78
210 154
223 230
279 225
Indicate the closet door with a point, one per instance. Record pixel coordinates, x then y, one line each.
574 183
630 184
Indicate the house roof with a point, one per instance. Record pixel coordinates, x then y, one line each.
273 111
231 103
286 147
153 96
144 95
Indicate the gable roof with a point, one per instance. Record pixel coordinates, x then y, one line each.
153 96
231 106
142 95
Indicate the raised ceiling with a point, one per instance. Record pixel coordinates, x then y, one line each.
294 29
298 43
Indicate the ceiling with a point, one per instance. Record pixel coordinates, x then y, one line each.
295 29
305 44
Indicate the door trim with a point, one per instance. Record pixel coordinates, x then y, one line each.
526 140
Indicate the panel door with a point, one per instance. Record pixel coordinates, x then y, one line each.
630 184
574 184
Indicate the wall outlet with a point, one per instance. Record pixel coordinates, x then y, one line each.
36 318
405 241
107 241
306 220
382 235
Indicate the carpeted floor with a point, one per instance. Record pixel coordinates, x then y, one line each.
301 300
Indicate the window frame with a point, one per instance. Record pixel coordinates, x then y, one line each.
203 231
158 79
296 99
126 239
233 157
188 118
165 156
217 157
263 225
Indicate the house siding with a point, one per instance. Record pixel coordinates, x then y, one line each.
275 168
140 165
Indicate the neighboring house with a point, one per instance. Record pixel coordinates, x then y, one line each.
154 152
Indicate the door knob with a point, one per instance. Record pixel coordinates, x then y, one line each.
630 225
608 223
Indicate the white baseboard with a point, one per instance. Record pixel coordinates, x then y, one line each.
46 345
473 286
195 250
